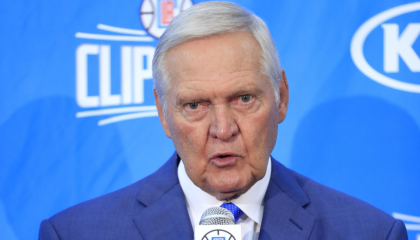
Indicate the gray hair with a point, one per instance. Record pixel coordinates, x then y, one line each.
207 19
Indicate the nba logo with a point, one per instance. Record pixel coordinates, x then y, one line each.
166 12
218 238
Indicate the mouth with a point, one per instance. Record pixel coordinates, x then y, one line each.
224 159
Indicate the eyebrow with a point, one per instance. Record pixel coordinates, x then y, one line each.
181 99
246 90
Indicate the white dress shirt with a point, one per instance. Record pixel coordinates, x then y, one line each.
251 202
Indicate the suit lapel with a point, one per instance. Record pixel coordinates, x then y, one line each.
284 214
165 215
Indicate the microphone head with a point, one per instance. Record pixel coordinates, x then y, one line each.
217 216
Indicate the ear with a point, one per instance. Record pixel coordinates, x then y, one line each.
284 97
161 116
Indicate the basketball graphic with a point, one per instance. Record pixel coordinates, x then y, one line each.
155 15
218 234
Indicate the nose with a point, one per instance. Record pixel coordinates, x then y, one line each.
223 125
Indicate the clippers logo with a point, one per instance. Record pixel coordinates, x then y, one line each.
122 98
93 71
218 234
396 46
155 15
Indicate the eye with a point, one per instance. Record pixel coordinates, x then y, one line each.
193 105
245 98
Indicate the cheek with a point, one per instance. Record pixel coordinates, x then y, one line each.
259 135
189 139
255 130
188 142
185 136
272 126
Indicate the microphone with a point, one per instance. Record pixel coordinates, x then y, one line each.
219 224
217 216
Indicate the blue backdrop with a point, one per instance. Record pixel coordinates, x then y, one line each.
77 115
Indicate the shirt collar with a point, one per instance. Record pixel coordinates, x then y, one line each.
198 200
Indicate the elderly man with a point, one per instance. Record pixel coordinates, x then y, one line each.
220 94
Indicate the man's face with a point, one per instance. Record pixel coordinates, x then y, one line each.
222 114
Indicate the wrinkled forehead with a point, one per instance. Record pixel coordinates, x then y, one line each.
214 55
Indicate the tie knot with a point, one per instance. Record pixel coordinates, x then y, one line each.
237 212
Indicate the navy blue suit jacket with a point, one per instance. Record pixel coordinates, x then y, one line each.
296 208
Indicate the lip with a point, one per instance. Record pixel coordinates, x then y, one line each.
221 161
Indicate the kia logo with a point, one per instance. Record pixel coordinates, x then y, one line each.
396 46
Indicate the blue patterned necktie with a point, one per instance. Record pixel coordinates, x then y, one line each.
237 212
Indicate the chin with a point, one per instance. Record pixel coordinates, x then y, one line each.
226 196
231 190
